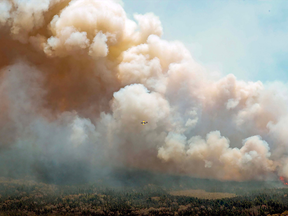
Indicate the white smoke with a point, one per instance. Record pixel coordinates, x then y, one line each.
77 78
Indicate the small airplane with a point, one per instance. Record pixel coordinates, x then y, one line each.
144 122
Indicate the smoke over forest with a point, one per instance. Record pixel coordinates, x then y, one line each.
77 77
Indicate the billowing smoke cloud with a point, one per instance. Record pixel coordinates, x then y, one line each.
77 78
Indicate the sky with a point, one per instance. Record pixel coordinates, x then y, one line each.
246 38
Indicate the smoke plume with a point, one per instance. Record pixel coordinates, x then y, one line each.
77 77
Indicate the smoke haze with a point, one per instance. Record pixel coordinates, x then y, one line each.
77 78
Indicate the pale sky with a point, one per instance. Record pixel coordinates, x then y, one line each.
248 38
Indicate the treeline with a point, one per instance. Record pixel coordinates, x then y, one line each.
93 199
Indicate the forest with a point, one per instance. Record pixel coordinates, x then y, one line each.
29 197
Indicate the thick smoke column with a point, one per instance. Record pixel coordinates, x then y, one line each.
77 78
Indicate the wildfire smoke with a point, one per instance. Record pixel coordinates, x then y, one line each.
78 77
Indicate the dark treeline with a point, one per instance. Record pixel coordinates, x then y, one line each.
24 197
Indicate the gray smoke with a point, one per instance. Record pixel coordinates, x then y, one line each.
77 78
